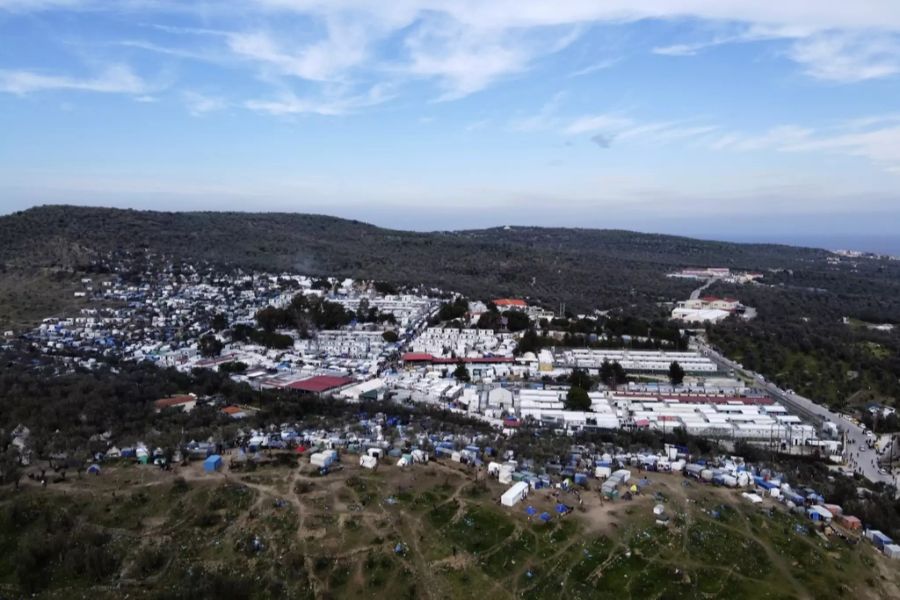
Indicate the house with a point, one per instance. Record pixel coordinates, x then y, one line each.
708 309
185 403
699 315
510 304
235 412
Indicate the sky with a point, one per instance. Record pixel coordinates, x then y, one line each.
745 120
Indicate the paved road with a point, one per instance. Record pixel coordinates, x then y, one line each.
857 452
696 293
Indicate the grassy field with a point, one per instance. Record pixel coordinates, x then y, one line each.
433 531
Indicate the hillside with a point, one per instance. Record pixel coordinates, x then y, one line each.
584 268
429 532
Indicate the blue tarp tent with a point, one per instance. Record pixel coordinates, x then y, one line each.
93 469
545 517
212 463
562 509
531 511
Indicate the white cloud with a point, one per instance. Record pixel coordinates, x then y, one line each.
848 58
340 103
597 66
200 104
546 118
595 123
881 146
466 46
777 137
116 79
328 59
876 139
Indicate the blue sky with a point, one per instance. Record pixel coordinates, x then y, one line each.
707 117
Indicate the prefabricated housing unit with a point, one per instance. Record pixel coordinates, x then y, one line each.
514 494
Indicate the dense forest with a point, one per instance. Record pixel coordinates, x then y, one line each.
817 340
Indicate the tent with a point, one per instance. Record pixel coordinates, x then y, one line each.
93 469
531 511
212 463
562 508
545 517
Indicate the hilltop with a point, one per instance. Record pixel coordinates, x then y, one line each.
433 531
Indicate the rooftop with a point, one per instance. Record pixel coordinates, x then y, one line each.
321 383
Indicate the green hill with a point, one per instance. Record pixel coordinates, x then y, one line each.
584 268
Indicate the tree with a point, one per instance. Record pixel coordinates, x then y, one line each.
210 346
461 373
619 374
676 373
10 470
383 287
606 373
390 336
271 318
455 310
219 322
489 320
612 374
577 399
530 342
516 320
580 378
233 367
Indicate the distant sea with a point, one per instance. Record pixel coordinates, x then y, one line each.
879 244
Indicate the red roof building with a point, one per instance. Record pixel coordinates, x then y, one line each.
422 357
510 303
185 403
321 384
235 412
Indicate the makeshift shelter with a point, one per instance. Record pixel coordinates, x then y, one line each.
531 511
545 517
212 463
93 469
819 513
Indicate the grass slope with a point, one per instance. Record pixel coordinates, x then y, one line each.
430 532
